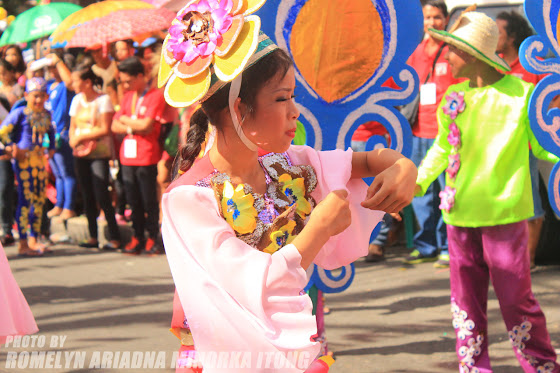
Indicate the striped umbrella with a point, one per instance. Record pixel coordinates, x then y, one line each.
121 25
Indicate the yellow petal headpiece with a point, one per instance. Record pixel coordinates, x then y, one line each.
209 44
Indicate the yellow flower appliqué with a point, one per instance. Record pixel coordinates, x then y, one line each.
281 238
238 209
294 189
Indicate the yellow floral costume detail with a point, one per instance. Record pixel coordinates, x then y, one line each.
238 208
295 190
275 218
281 238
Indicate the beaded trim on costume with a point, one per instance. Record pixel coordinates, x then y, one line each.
40 123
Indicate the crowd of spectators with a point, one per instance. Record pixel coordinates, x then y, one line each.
111 125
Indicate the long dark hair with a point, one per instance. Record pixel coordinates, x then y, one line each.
85 72
254 78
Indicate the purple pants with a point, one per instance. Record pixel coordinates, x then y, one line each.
498 253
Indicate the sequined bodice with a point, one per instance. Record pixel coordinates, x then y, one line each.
271 220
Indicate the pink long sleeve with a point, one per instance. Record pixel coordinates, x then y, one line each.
333 170
236 298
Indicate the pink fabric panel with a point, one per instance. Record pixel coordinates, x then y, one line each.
333 172
246 300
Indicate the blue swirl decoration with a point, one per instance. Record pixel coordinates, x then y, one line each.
327 281
534 55
330 123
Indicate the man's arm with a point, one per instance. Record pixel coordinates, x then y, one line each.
140 126
63 70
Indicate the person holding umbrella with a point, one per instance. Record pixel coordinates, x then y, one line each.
62 164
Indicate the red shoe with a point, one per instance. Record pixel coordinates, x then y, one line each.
133 247
152 247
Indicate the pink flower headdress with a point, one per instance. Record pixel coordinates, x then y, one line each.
207 37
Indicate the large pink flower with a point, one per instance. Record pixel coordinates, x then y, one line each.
207 36
447 196
455 104
199 29
453 165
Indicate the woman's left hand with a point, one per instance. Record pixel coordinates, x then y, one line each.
393 188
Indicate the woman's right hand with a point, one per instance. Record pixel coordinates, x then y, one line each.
332 214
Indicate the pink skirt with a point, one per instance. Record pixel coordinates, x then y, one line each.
15 315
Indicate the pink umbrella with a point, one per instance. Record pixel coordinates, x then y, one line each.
173 5
120 25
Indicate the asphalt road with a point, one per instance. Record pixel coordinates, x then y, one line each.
98 310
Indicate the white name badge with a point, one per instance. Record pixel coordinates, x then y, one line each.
428 94
130 148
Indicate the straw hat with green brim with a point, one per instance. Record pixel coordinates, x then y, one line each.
477 34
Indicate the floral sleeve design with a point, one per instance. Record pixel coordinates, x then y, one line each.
454 106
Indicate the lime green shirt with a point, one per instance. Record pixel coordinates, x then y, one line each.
492 185
301 135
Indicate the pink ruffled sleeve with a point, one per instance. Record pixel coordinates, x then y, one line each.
333 172
235 297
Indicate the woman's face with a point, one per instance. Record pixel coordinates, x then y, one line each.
272 126
77 83
12 56
123 51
